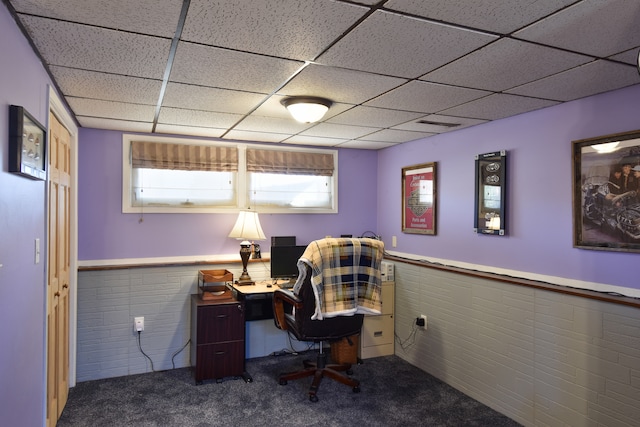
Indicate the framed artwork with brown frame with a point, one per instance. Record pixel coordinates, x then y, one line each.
606 192
419 199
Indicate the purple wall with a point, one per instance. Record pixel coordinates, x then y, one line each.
23 81
539 204
104 232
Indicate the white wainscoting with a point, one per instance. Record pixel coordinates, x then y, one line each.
539 357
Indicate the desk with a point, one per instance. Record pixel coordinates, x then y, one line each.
262 336
258 300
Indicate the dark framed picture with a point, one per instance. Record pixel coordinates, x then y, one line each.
491 193
27 144
419 197
606 192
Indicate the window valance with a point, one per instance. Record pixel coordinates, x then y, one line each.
289 162
158 155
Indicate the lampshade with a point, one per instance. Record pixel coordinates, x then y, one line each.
307 109
247 227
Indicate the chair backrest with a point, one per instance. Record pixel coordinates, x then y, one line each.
331 328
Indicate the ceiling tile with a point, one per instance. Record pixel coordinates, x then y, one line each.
314 140
373 117
504 16
505 64
227 69
425 97
395 136
295 29
189 130
111 109
498 106
210 99
339 85
245 135
140 16
111 124
437 123
98 49
586 80
180 116
630 56
108 87
396 45
271 124
595 27
366 145
328 130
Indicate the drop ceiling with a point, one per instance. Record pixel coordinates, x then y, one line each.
396 70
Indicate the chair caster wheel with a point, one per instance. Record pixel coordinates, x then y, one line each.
356 389
283 382
313 398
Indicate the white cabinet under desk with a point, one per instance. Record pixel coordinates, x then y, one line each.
377 336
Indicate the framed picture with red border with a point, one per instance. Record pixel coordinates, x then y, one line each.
419 197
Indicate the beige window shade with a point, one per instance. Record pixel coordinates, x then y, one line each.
158 155
289 162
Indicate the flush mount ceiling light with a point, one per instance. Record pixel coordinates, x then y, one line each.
307 109
608 147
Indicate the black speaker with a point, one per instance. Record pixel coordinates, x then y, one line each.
283 240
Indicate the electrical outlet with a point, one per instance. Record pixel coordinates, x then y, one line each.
138 324
424 318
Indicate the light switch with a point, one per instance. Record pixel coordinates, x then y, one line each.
37 251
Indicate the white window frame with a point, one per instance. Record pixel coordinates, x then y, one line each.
241 182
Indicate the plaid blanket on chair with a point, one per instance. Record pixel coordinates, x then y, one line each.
345 276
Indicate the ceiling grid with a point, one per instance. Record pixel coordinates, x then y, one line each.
396 70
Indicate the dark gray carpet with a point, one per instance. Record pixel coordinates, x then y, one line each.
393 393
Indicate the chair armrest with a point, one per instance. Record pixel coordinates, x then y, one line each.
280 298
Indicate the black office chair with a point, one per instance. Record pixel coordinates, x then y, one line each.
293 313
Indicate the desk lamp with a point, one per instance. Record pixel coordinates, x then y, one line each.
247 228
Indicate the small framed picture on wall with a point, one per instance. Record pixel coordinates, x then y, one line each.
419 199
491 193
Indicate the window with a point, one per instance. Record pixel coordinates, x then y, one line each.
292 179
164 187
180 175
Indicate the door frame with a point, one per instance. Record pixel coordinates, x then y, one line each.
59 109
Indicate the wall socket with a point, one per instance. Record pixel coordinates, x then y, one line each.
424 319
138 324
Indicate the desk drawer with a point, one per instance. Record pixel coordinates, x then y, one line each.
217 323
218 361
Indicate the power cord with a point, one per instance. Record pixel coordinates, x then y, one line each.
291 350
142 351
412 337
178 352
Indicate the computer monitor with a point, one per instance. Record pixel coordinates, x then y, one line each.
284 262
